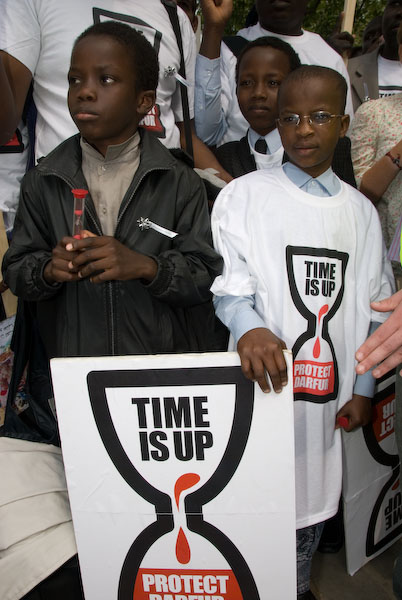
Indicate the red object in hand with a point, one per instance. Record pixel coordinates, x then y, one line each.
79 206
343 422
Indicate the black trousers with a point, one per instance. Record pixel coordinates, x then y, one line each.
63 584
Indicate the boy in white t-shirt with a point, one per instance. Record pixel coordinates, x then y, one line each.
304 257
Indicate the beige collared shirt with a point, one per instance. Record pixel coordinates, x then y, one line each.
109 177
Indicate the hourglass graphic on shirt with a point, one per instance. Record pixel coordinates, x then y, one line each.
174 553
316 280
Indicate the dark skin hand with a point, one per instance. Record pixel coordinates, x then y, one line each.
341 41
100 258
261 351
357 411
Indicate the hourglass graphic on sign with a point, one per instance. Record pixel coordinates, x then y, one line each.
316 280
385 522
171 458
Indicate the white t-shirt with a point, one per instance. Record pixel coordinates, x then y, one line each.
389 77
41 33
310 47
313 265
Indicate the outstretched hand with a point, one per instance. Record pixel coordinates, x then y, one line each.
261 351
357 412
384 346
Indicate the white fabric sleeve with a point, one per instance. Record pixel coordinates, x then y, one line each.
230 240
20 34
210 124
215 92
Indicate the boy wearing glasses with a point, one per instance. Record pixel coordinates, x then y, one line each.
304 258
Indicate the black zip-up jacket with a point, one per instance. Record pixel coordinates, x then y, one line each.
173 313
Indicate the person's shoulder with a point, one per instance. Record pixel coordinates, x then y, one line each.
359 201
251 33
66 152
249 184
371 108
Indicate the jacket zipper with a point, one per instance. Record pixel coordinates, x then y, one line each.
113 341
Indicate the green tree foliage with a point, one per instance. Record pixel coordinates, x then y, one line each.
241 9
321 17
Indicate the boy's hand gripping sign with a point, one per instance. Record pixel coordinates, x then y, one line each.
181 478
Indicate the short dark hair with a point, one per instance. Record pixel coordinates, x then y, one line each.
268 41
142 54
308 72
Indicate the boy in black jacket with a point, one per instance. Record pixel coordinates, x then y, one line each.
139 280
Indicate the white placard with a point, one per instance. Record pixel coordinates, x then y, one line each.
181 478
371 482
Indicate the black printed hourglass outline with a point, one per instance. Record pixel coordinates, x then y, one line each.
388 460
311 318
98 382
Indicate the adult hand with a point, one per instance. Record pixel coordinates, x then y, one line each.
341 41
103 258
357 411
384 346
261 351
58 268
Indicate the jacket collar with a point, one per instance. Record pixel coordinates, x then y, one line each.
65 160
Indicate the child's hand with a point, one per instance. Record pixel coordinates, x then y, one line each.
357 411
58 269
260 351
103 258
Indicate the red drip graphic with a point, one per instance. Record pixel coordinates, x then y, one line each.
317 345
184 483
317 348
182 548
396 485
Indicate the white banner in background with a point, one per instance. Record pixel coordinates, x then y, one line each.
181 478
371 482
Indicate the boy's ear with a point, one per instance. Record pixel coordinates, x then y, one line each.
345 121
146 100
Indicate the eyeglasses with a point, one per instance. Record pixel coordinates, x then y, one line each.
316 118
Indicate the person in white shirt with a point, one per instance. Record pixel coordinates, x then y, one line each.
303 258
217 115
36 38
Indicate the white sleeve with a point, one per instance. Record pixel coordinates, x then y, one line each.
20 32
231 241
215 92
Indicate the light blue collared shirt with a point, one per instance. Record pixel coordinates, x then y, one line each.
237 312
272 138
325 185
